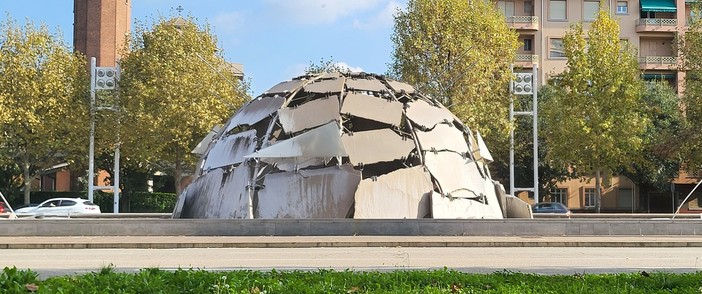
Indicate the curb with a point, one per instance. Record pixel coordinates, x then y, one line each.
139 243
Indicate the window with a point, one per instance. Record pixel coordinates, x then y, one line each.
559 195
590 197
625 198
507 7
557 10
67 203
622 7
528 45
528 8
590 9
556 49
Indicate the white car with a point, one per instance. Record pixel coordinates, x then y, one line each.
60 207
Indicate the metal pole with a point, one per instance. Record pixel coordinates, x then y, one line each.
536 133
117 144
511 133
91 152
116 186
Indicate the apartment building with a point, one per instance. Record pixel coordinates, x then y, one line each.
649 25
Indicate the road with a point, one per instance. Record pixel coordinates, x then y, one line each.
541 260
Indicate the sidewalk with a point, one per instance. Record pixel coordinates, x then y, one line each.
171 242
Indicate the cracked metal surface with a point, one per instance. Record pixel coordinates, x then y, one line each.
344 145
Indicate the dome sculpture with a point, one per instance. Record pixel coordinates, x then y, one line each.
344 145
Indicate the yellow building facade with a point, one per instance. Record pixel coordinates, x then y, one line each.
651 26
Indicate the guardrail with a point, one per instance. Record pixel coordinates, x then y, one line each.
670 22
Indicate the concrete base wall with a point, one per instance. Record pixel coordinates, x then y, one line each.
349 227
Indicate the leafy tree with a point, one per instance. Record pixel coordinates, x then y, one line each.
43 95
325 65
459 52
593 122
174 87
657 163
10 181
690 52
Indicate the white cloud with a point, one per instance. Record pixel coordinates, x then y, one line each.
346 66
318 11
383 18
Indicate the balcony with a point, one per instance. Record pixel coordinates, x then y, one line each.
523 22
658 62
656 25
526 60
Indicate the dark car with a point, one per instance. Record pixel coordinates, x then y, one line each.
550 207
2 207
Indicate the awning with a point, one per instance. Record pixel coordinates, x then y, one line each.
658 6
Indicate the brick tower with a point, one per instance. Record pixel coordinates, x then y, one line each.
100 28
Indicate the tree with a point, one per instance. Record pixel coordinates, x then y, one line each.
593 122
659 160
326 65
458 52
43 95
175 86
690 54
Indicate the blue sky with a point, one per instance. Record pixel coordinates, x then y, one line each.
274 39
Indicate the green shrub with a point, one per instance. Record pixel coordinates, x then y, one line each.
152 202
13 280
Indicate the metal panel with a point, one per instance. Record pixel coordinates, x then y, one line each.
178 209
376 146
255 111
445 207
310 114
205 142
398 87
484 152
493 201
501 196
285 87
456 176
199 195
517 208
330 75
426 115
361 84
443 137
323 141
231 150
294 163
335 85
400 194
319 193
217 195
233 198
373 108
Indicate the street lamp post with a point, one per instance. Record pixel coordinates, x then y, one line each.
102 78
524 84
